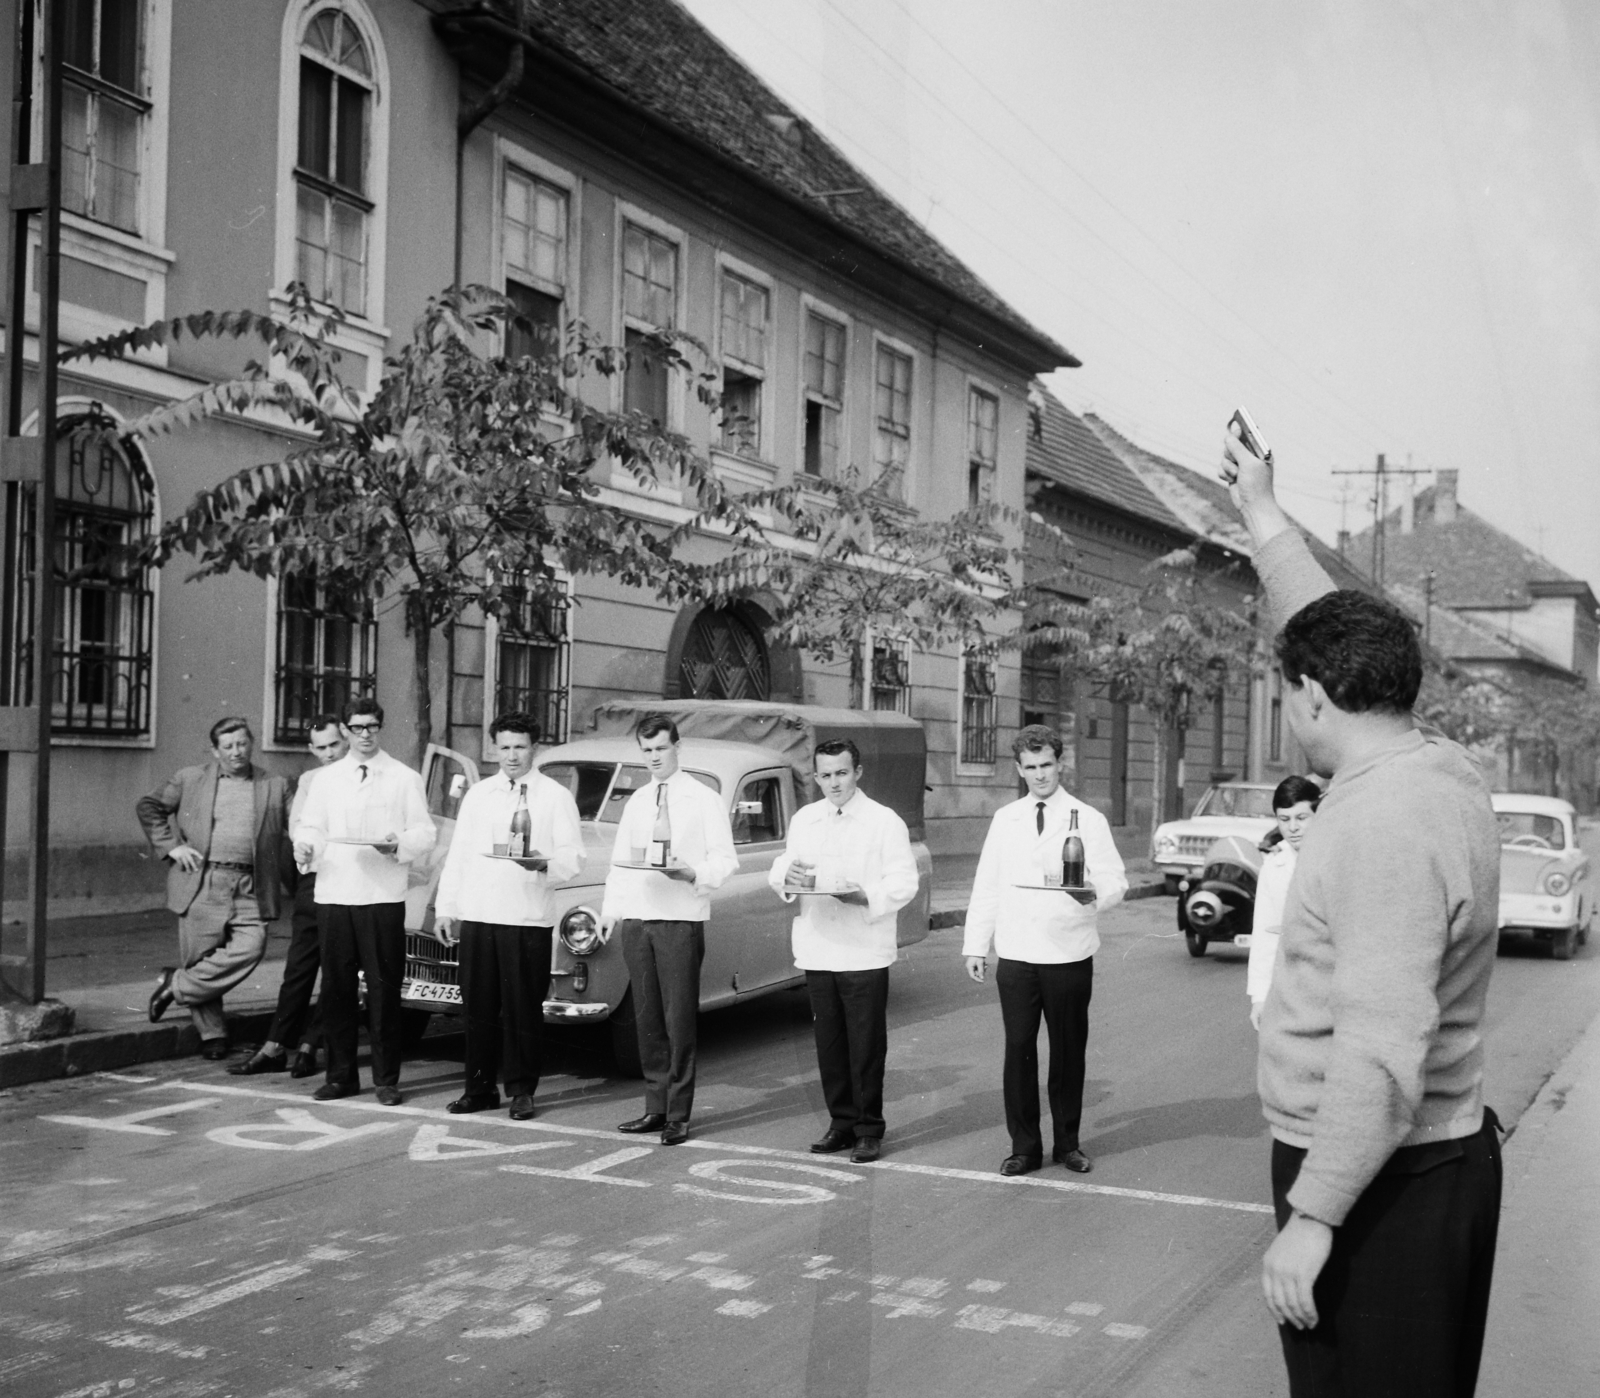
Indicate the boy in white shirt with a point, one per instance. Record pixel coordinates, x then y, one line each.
844 940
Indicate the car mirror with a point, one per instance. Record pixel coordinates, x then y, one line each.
748 808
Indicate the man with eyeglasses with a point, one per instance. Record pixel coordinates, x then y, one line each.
295 1021
501 912
365 819
221 827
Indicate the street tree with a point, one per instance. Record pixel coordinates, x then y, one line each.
468 479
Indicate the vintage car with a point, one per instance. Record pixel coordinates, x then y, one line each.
1546 890
1180 847
1217 904
758 756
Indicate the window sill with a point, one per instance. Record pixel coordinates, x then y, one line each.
144 742
976 769
624 480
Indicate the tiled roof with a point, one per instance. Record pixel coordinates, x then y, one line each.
1476 565
1463 636
660 57
1065 451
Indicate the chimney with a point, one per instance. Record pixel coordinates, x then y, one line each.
1444 497
1344 543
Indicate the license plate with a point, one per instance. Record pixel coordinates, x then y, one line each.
1242 940
428 990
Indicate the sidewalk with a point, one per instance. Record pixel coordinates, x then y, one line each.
105 967
1542 1337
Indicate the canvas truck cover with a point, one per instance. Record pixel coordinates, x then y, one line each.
894 749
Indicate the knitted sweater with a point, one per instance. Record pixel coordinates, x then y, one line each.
1371 1037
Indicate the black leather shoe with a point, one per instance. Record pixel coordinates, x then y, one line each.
640 1125
1020 1164
522 1107
161 996
333 1091
473 1102
389 1097
833 1141
866 1151
675 1133
305 1065
215 1050
1074 1160
260 1063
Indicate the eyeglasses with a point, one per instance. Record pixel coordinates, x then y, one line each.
364 727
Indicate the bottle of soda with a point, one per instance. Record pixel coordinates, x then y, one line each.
1072 871
521 845
660 854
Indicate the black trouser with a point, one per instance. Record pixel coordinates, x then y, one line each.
372 938
505 975
1403 1298
295 1022
664 965
1057 992
850 1014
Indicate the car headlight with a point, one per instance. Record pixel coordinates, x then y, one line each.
1556 883
1166 845
580 930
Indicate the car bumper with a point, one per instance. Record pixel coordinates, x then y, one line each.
572 1012
1537 911
1180 867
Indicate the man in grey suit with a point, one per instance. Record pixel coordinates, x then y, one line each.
223 827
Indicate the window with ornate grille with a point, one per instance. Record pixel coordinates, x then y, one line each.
723 657
983 446
824 390
102 110
332 204
532 659
892 441
744 362
533 240
327 654
890 677
979 716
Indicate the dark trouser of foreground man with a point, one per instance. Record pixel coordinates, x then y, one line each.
664 966
850 1016
505 976
1390 1317
297 1024
1058 993
370 938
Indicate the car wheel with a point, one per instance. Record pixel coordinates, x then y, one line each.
1564 944
625 1038
413 1025
1195 942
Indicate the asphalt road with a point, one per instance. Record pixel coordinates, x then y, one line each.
178 1232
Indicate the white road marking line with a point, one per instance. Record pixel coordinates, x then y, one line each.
584 1310
901 1306
985 1284
1085 1308
779 1191
1127 1332
296 1121
591 1170
441 1143
1149 1196
124 1077
209 1301
131 1123
708 1257
152 1344
993 1319
743 1308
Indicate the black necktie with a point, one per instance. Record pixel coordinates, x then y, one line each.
363 770
1038 819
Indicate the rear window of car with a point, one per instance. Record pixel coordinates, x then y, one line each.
1532 830
601 789
1236 801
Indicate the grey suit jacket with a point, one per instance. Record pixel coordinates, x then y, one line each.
179 812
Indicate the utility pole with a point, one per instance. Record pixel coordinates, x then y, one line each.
1381 475
1428 580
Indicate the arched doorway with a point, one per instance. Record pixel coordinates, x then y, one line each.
723 657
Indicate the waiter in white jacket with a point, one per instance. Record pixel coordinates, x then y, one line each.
1046 941
503 915
661 915
844 939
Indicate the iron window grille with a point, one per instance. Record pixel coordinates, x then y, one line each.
533 657
979 719
891 676
724 657
327 654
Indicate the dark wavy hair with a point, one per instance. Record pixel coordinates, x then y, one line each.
1291 791
1363 651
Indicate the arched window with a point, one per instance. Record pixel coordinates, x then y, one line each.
724 657
101 659
333 151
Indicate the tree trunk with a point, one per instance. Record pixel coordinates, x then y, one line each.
858 673
422 683
1159 782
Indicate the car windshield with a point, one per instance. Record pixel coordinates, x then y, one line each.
1236 801
1525 828
602 788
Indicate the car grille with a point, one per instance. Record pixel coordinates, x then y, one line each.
430 951
433 974
1194 846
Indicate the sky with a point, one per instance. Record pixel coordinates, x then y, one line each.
1375 223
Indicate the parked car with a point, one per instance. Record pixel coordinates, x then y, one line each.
1218 903
1181 848
1546 890
760 761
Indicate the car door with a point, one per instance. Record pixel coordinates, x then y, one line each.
760 815
446 775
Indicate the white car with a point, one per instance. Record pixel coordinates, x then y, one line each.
1230 808
1546 888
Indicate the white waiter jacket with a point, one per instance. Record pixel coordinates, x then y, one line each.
1040 925
478 888
302 789
860 842
702 837
342 801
